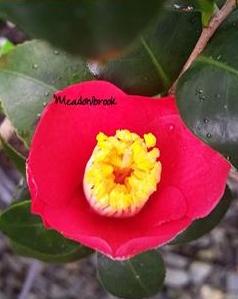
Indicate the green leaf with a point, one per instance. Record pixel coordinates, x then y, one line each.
139 277
208 8
68 257
89 28
207 92
5 47
203 226
17 159
30 238
29 75
158 57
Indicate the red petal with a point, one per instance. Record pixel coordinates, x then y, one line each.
193 175
119 239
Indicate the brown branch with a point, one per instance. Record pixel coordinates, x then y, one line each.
233 175
206 35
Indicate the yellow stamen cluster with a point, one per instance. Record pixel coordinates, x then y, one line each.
122 173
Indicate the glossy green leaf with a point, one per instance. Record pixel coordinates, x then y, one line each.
6 46
90 28
203 226
29 75
207 94
158 57
208 8
68 257
30 238
17 159
139 277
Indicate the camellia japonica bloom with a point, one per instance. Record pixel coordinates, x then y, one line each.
120 173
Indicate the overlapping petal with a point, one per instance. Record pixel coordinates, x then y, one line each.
193 176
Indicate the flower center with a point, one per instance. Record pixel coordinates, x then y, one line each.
122 173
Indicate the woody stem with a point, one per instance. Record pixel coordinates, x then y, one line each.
206 35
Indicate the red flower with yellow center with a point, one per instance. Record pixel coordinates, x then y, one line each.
120 173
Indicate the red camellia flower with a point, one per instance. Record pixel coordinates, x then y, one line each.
120 173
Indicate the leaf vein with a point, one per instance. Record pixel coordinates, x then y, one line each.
218 64
137 277
17 74
159 68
